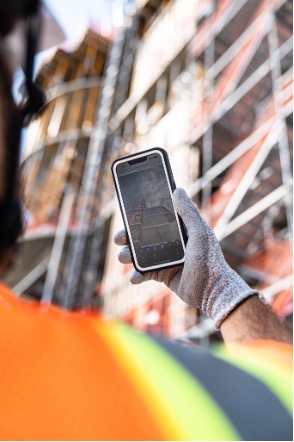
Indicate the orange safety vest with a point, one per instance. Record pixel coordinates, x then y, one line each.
74 376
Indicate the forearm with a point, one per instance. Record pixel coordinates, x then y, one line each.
253 320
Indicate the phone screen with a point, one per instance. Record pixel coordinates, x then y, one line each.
149 210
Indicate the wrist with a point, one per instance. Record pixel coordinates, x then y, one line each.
254 320
228 293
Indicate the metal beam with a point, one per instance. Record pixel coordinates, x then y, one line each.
275 61
94 158
231 157
230 53
71 86
249 83
245 145
129 105
31 277
246 181
236 47
216 23
57 249
206 327
207 142
229 102
255 210
277 287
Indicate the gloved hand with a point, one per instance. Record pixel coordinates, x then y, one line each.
205 280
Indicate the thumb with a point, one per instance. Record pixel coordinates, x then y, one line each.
187 210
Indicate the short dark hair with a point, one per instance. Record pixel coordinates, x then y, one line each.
11 225
11 219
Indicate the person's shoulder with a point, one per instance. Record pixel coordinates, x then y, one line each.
235 386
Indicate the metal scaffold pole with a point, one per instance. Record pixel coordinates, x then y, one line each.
277 88
207 143
58 245
121 90
74 258
80 255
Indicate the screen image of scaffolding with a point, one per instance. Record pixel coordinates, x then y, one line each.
210 81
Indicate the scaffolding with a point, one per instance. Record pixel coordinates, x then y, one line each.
69 271
54 165
215 90
246 60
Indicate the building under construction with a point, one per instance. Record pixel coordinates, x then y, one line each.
211 82
58 209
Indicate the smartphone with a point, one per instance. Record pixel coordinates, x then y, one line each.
144 184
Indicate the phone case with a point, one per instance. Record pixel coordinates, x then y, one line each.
173 187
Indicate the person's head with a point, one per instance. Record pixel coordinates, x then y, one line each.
11 120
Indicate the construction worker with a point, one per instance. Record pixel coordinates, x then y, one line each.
74 376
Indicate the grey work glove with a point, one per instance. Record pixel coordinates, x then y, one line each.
205 280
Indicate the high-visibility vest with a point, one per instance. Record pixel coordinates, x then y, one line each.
74 376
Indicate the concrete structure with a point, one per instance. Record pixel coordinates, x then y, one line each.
56 152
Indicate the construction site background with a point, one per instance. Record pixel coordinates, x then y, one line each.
211 82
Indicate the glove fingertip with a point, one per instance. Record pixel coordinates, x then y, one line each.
137 277
124 255
180 191
120 238
185 207
181 199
